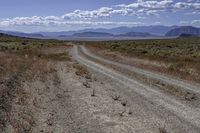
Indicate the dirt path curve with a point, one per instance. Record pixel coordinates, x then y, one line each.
195 87
186 114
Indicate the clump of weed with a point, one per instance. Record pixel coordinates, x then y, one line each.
82 71
122 113
86 84
93 93
162 130
116 97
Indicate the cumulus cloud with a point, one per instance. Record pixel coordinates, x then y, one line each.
153 7
149 5
54 21
193 22
102 12
140 9
193 13
184 5
184 22
196 22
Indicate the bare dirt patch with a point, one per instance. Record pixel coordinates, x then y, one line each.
44 90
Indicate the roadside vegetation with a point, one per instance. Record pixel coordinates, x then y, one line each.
11 43
177 49
181 56
23 60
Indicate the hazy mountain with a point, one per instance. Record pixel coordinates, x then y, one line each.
106 36
93 34
135 34
21 34
189 30
140 31
5 35
156 30
187 35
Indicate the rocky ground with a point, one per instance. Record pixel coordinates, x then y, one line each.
49 91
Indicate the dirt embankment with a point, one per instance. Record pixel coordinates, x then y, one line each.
19 70
46 90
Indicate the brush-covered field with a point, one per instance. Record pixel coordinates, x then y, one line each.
109 86
178 49
12 43
180 56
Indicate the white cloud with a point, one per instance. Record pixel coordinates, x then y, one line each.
193 13
123 12
184 5
184 22
149 5
157 23
193 22
102 12
196 22
51 21
140 9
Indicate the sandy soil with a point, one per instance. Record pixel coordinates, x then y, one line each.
100 99
164 108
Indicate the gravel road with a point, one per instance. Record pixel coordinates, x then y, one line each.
165 78
160 107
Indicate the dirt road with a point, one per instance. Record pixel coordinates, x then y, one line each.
155 105
48 91
164 78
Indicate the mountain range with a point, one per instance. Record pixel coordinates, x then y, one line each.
156 30
189 30
21 34
117 33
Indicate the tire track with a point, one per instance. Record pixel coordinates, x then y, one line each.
166 79
191 115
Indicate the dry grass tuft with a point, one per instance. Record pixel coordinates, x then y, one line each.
162 130
116 97
178 57
82 71
16 68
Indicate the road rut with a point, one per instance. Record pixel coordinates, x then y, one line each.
188 115
195 87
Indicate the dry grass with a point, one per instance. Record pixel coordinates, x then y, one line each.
24 59
30 66
178 57
17 67
116 97
162 130
82 71
181 94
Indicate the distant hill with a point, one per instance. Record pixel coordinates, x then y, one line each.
92 34
21 34
155 30
135 34
3 35
106 35
187 35
183 30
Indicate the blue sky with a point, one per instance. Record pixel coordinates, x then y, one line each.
64 15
